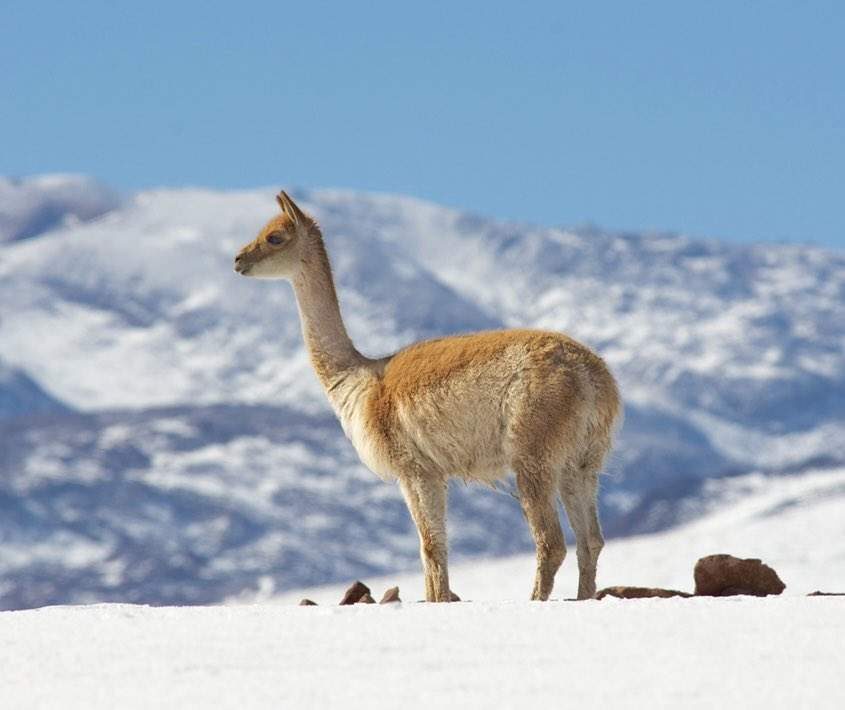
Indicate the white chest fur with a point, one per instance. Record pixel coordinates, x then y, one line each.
349 402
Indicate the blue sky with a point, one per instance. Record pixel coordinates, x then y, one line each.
719 119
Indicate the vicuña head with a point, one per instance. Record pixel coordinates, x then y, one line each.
280 247
474 406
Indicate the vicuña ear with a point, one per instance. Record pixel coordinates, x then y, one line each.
290 208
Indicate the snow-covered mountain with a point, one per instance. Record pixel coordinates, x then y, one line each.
164 440
32 206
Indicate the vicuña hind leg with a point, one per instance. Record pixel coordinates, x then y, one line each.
538 497
578 490
426 499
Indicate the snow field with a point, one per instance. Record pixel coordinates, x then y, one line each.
777 652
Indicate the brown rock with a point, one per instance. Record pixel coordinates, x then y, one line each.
726 575
452 597
307 602
354 593
391 595
623 592
737 592
366 599
826 594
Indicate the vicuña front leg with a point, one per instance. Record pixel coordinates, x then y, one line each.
538 498
426 499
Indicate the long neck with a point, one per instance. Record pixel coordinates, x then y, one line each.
331 350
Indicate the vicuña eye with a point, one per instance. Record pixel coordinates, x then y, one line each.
275 238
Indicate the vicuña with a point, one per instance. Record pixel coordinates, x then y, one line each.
474 406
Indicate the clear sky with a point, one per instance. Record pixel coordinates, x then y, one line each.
722 119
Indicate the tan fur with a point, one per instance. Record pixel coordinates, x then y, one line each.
473 406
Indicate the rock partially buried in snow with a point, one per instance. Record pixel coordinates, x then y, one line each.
366 599
726 575
391 595
623 592
354 593
452 598
817 593
307 602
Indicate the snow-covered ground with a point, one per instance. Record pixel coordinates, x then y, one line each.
497 650
782 652
796 525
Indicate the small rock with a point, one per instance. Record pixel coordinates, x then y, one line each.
391 595
366 599
826 594
452 597
623 592
307 602
354 593
726 575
